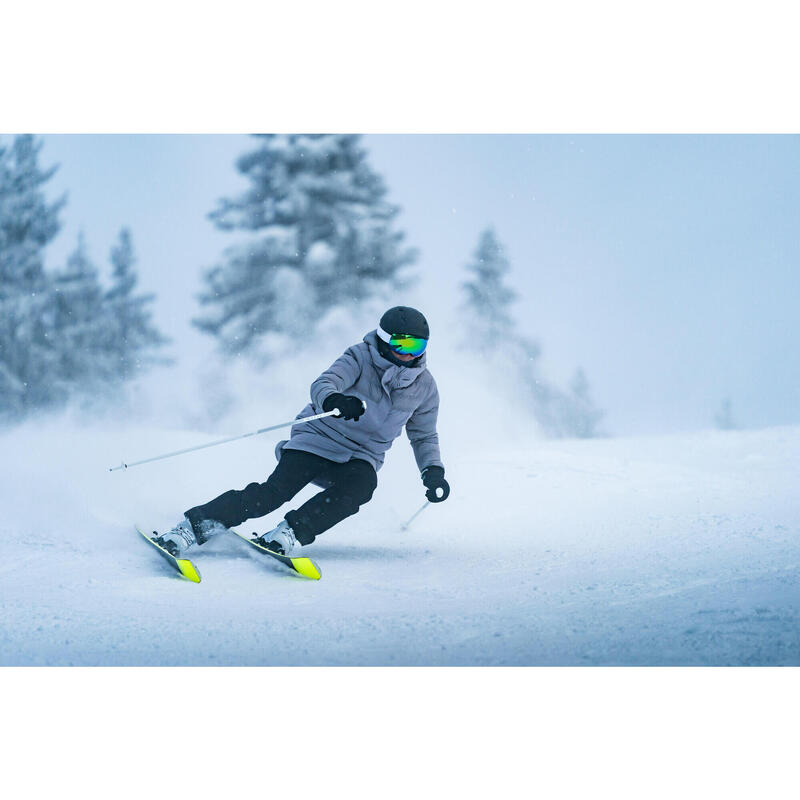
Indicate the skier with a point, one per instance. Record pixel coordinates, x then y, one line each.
378 386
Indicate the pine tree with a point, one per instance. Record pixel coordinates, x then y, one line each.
723 419
488 306
28 223
318 235
80 325
489 301
132 339
488 298
583 417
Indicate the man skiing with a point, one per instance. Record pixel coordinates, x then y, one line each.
378 386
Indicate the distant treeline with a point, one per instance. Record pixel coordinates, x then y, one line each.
63 332
314 233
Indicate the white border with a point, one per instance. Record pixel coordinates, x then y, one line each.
411 67
399 733
439 67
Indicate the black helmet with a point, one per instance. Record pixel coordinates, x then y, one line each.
402 319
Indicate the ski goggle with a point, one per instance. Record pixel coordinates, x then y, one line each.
407 345
403 343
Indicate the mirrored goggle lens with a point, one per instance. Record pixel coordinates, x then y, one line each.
408 345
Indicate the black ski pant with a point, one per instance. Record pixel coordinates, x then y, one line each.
350 485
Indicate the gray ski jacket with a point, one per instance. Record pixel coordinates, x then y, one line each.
395 397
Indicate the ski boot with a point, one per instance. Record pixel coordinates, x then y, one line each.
280 539
179 539
184 535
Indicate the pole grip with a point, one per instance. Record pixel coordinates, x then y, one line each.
337 413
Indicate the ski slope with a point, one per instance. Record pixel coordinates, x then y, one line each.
661 550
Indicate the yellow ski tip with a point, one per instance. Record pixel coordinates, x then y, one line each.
307 568
188 570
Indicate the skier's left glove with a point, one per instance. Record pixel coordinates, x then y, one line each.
433 479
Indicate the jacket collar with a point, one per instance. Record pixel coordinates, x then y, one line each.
393 377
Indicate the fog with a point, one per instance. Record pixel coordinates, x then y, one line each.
665 266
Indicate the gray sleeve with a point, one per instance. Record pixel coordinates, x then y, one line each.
341 375
421 430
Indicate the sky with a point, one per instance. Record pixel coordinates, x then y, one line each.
665 266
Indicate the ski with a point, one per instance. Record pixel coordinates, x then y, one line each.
303 566
182 565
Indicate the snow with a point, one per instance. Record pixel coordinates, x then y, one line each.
662 550
321 257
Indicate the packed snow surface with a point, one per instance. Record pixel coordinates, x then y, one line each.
679 549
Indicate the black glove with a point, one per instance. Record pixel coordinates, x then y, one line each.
433 479
350 407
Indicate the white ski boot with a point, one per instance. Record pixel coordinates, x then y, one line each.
183 536
179 539
280 539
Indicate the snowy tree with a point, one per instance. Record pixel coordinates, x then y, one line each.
488 298
132 339
80 325
723 419
60 332
101 338
581 416
492 326
558 412
317 234
28 223
488 305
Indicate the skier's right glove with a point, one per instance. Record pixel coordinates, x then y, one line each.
349 407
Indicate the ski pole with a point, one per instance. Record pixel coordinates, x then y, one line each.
416 514
123 465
